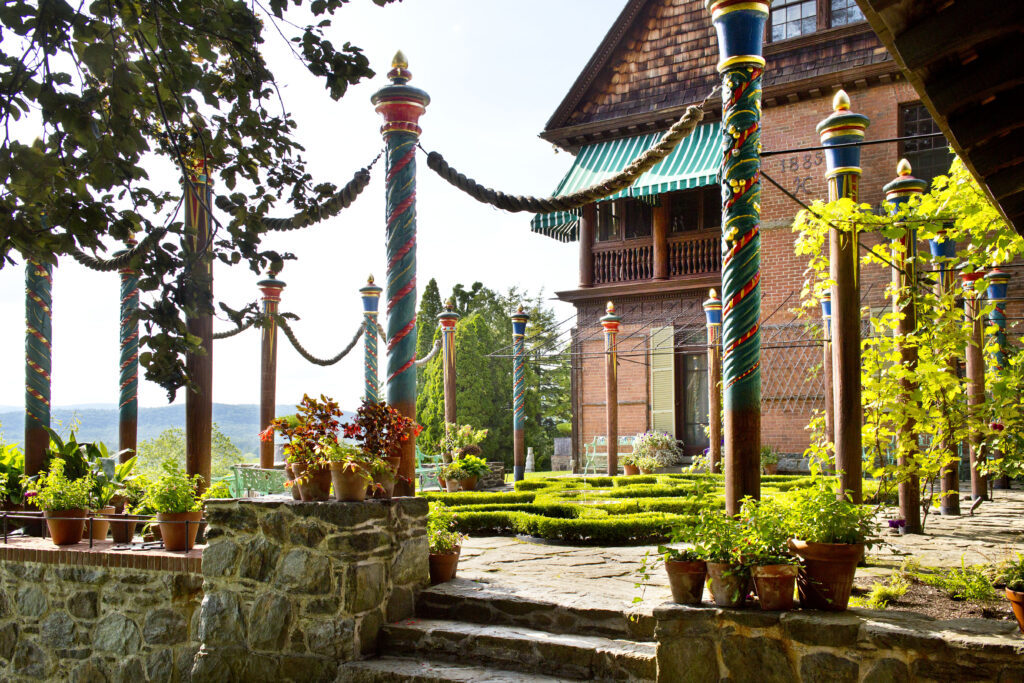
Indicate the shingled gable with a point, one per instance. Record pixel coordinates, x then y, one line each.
660 56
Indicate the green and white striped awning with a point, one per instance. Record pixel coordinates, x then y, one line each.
693 163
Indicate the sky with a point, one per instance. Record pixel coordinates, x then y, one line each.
495 72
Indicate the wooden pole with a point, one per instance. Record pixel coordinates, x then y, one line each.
713 313
943 251
610 323
740 29
659 233
588 225
447 320
371 332
519 319
199 366
128 403
975 382
998 282
401 105
826 369
843 177
271 289
904 303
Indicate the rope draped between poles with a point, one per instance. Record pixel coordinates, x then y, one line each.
282 321
123 259
331 207
643 163
420 362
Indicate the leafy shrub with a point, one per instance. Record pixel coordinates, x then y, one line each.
440 529
56 493
818 516
174 491
661 448
881 594
963 583
532 484
1011 574
477 498
636 479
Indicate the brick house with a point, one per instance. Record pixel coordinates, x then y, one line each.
654 249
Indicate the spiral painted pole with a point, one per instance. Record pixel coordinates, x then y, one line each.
519 320
128 402
371 300
975 382
713 313
447 319
826 367
904 301
271 289
38 345
401 105
740 28
199 402
610 322
943 251
998 282
841 127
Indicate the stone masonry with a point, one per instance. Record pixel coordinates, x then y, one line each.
292 590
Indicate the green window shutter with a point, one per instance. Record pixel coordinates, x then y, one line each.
663 376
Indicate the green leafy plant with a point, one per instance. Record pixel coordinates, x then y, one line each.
441 536
716 537
818 515
660 446
466 467
459 440
881 594
55 492
12 469
766 533
961 583
314 421
218 489
349 458
174 491
769 455
1011 574
647 463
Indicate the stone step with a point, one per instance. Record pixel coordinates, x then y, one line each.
413 670
579 657
464 600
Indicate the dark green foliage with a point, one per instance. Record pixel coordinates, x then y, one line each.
474 498
641 479
609 530
426 323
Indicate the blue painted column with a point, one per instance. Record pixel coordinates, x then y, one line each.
998 281
740 29
519 320
371 299
943 249
826 368
713 314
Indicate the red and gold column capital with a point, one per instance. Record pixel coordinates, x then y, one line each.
400 104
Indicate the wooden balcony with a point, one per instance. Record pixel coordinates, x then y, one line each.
688 254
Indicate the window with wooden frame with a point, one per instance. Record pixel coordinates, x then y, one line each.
928 157
609 222
623 219
697 209
792 18
663 383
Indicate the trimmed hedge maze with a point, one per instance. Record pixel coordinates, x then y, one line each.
635 510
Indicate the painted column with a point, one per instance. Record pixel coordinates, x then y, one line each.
826 368
904 302
38 340
740 28
588 224
713 313
943 251
843 177
662 215
447 319
610 322
975 381
271 289
998 281
371 300
128 402
401 105
519 320
199 402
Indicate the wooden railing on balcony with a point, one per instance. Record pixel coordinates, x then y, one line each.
694 253
628 261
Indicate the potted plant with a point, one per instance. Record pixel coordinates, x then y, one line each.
450 474
659 446
267 436
460 440
629 466
897 527
64 501
467 471
314 421
646 464
769 460
766 552
829 538
110 477
445 543
175 498
687 569
381 431
717 538
350 470
1012 578
123 524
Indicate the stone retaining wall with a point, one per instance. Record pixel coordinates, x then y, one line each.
859 646
82 616
293 590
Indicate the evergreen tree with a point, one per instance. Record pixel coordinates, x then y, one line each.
426 323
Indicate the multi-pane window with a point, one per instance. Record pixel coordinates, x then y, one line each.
694 400
845 12
928 157
609 221
793 18
699 209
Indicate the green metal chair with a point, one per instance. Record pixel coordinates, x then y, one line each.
252 480
426 469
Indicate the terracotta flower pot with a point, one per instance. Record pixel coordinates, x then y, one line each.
468 484
630 470
291 477
442 484
444 566
826 574
452 485
771 469
1016 599
69 529
176 534
643 471
123 529
348 485
728 584
774 584
314 482
100 527
686 578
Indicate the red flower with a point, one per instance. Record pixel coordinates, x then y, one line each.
267 435
998 426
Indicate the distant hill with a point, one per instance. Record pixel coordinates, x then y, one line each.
239 422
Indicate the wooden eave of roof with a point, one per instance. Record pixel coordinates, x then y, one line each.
961 56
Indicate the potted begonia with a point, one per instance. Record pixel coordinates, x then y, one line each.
662 449
718 539
381 430
350 469
766 552
467 471
174 495
313 422
1011 576
829 536
445 543
65 502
